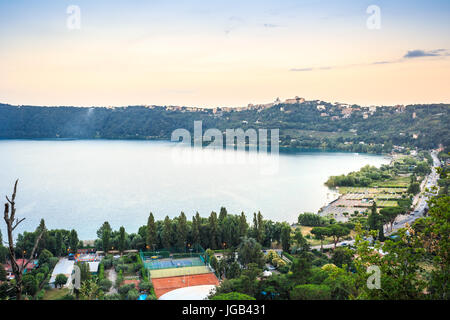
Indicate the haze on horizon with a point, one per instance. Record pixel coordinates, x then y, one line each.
223 53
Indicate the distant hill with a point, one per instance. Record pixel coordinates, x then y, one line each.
312 124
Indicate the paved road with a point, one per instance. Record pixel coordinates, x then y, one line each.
112 276
422 204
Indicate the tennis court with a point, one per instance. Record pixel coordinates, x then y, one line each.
174 272
164 285
170 263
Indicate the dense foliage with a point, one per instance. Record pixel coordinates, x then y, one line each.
301 125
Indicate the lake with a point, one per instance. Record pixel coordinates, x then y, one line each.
82 183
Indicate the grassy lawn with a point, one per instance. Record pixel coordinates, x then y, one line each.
395 182
312 241
55 294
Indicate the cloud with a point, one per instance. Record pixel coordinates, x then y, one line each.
233 23
422 53
410 54
270 25
302 69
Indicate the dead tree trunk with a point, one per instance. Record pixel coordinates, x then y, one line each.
11 223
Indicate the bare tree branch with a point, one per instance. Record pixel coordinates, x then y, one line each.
17 223
11 224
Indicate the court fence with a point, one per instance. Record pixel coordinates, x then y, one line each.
168 259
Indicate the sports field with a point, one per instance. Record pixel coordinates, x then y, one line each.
174 272
164 285
168 263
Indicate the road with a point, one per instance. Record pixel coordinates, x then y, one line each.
421 206
112 276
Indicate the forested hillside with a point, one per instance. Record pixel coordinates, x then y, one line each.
308 124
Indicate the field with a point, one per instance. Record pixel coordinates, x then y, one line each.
372 190
55 294
164 285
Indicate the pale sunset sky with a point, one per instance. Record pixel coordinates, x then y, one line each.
223 53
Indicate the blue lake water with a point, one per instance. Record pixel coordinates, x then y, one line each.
80 184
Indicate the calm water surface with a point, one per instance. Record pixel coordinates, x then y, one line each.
80 184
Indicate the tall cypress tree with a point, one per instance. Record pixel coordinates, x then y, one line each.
151 232
213 230
73 241
196 229
260 228
59 244
167 233
243 226
182 232
121 239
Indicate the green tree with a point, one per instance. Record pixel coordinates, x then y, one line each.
234 271
433 232
60 280
122 239
399 266
341 256
389 214
213 230
85 273
59 244
151 233
133 294
73 241
320 233
2 273
90 290
301 242
311 292
44 257
196 229
181 235
414 188
105 285
337 231
259 228
243 226
286 237
222 214
166 237
249 251
104 233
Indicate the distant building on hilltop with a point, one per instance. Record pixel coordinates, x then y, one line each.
295 100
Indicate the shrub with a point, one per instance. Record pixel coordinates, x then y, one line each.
271 254
105 284
119 279
311 220
44 257
145 286
311 292
108 263
133 294
151 297
52 262
287 255
113 296
123 290
232 296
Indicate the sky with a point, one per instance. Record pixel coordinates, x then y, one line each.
223 53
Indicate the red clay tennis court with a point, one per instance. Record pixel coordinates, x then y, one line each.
164 285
